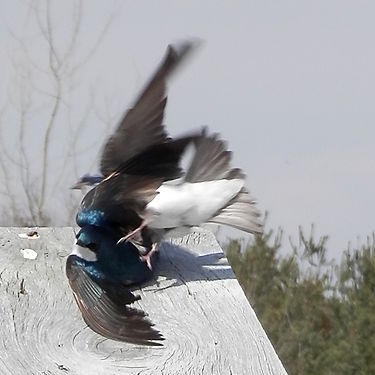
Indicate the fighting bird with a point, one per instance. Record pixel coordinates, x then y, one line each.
143 195
100 270
100 274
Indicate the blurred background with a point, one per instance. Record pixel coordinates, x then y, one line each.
289 84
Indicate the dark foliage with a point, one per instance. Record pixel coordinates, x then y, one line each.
319 315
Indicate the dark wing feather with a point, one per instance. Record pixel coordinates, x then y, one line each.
124 194
211 161
122 200
125 190
142 126
160 160
106 311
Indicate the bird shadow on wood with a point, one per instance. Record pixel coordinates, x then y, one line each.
183 265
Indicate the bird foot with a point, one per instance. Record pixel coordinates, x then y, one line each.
136 234
147 258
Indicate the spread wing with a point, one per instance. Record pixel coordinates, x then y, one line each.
105 310
118 201
141 126
123 196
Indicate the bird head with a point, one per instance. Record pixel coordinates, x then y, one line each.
89 237
87 181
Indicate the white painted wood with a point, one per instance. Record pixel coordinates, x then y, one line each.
196 303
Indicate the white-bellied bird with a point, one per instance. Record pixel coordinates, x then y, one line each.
144 194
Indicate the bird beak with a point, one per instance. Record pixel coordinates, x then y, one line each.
80 243
78 186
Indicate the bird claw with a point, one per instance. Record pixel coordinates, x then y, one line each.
147 258
122 239
132 235
136 234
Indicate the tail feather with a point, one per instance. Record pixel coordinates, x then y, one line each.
240 213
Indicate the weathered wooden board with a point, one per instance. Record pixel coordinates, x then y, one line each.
196 302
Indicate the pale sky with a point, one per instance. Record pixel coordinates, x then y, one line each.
289 84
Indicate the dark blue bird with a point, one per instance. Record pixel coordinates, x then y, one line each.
100 273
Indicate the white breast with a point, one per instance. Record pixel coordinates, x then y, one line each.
191 203
84 253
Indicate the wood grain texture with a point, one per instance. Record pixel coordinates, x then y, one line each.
196 302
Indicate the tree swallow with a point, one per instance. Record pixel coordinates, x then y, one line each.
100 273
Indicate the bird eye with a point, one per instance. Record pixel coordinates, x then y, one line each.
93 247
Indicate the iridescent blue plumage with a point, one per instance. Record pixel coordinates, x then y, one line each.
90 217
99 273
92 268
120 263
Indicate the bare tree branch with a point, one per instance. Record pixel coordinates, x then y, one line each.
32 164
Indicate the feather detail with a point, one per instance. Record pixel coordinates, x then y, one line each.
141 126
240 213
212 161
105 309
